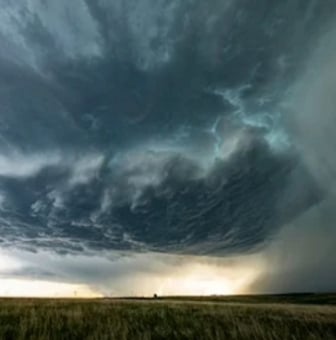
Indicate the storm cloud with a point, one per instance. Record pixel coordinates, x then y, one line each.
302 258
151 126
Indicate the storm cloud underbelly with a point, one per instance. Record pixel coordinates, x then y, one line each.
151 125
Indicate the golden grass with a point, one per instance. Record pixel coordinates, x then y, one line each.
160 319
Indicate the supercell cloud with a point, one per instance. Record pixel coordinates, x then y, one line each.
157 126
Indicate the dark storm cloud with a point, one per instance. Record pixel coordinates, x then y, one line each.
235 206
150 125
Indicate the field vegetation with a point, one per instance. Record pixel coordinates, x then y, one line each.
278 317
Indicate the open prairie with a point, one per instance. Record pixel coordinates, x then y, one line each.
243 317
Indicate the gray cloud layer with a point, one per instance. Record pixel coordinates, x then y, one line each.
128 125
303 256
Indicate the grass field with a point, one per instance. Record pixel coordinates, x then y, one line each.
269 317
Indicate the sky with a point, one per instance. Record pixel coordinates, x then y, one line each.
168 147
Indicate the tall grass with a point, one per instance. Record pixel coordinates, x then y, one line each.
108 319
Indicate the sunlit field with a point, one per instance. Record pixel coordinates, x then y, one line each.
271 317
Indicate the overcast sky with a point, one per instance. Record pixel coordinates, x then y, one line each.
177 147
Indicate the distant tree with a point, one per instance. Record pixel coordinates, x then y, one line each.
155 296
